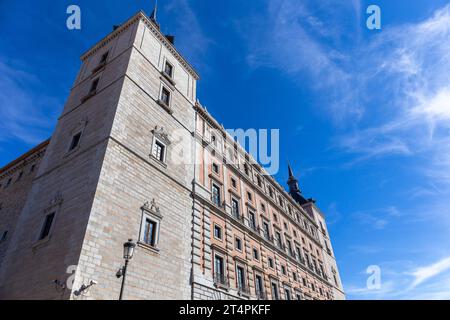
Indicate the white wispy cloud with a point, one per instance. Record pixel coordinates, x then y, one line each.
430 282
192 40
377 219
423 274
24 114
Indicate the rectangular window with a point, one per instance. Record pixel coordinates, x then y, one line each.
45 231
274 291
240 277
159 150
283 270
255 254
216 195
215 168
233 183
263 207
32 168
150 232
287 293
168 69
75 141
219 274
217 232
165 96
258 178
299 296
259 286
235 208
8 183
4 235
252 220
270 263
278 239
249 196
238 244
94 86
266 230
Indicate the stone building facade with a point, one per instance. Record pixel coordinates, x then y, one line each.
135 155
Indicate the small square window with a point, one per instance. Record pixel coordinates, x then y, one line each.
217 232
168 69
159 150
238 244
165 96
215 168
75 141
233 183
255 254
270 263
45 231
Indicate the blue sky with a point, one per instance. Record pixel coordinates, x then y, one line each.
364 116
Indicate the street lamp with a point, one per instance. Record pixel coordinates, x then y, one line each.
128 250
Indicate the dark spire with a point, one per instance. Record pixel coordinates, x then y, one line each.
155 9
294 190
153 15
292 181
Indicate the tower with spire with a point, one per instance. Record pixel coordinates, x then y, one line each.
294 190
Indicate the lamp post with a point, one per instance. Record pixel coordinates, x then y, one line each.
128 250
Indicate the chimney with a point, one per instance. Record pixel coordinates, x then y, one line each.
171 39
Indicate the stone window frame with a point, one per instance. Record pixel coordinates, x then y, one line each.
277 287
150 211
219 227
235 244
242 265
289 289
167 107
233 198
159 135
78 130
169 77
257 273
271 263
213 166
256 251
53 207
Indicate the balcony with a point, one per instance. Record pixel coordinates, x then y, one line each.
261 295
244 290
221 280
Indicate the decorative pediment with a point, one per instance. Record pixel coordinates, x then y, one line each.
152 207
161 134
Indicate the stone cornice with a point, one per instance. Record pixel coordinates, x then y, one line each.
141 16
24 159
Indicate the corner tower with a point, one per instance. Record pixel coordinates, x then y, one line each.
109 174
